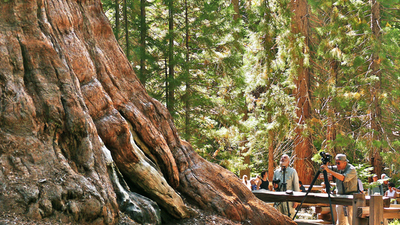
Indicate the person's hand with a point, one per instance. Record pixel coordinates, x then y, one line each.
295 204
325 167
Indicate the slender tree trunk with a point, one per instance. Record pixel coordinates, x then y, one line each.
126 29
171 61
271 148
243 153
375 110
187 76
143 34
331 126
116 32
303 145
235 4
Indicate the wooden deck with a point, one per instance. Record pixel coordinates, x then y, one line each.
367 210
312 198
311 222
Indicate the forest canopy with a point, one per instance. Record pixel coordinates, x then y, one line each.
247 81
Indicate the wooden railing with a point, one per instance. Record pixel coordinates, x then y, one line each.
367 210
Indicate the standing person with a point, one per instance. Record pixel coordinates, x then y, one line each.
292 183
385 182
346 184
375 187
264 183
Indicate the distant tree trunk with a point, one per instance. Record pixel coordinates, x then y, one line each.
171 62
331 126
143 34
244 150
126 29
78 132
303 145
187 78
271 166
375 110
235 4
116 32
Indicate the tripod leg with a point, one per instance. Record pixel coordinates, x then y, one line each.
308 191
288 209
328 190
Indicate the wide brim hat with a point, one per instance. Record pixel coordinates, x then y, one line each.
341 157
384 178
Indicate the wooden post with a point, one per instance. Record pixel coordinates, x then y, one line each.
359 201
376 210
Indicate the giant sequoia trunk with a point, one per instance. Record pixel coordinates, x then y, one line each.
303 145
79 134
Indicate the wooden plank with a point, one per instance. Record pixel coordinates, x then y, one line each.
314 198
307 205
359 201
315 188
362 212
325 217
323 210
388 213
376 210
311 222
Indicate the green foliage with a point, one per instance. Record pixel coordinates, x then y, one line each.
234 79
394 222
364 172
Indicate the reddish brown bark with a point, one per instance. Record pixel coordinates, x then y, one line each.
303 146
271 162
375 89
66 87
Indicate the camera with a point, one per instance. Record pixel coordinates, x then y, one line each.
325 157
276 182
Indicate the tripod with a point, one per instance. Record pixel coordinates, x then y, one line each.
327 188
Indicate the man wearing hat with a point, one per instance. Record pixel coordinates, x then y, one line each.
385 182
346 183
375 188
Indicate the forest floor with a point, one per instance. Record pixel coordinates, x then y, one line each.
203 218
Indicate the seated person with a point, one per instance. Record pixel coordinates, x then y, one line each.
246 182
391 193
254 184
302 188
263 183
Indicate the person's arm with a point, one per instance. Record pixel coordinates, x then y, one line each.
258 182
296 181
295 186
335 174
